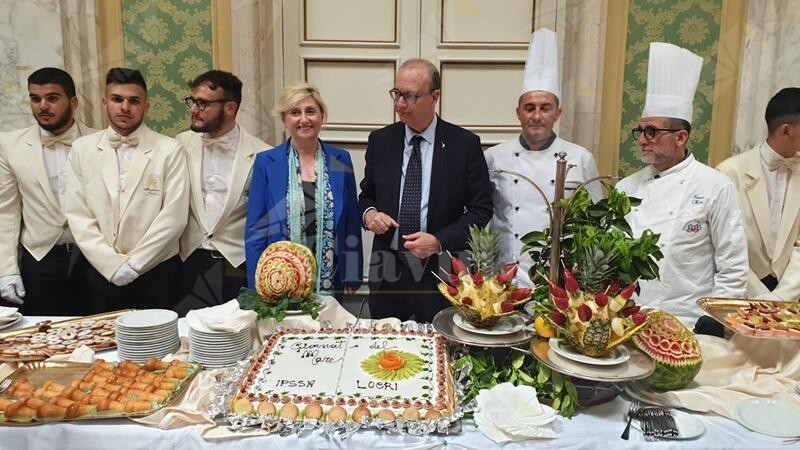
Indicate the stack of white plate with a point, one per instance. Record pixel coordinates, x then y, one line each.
219 348
147 333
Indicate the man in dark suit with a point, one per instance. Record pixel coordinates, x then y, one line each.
425 183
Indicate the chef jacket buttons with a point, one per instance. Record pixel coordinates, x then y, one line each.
516 154
516 235
516 208
516 181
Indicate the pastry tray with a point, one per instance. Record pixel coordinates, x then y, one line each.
46 325
718 308
64 373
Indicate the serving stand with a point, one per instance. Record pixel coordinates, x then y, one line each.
595 384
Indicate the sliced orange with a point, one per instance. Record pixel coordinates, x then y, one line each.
543 328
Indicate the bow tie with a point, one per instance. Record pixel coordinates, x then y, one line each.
784 163
116 140
221 143
51 141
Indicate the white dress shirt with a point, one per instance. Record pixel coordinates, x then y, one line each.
777 182
218 156
426 154
55 162
125 153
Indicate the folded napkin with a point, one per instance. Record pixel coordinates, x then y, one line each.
330 311
191 408
228 317
82 354
513 413
7 313
734 370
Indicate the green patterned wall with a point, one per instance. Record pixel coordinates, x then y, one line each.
691 24
170 42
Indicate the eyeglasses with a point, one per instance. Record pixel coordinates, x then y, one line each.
650 132
202 104
409 97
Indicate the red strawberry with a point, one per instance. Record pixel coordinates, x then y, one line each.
506 306
556 291
584 313
638 318
561 303
613 287
558 318
452 291
627 291
453 279
507 273
601 299
458 266
520 294
467 301
570 282
477 277
631 310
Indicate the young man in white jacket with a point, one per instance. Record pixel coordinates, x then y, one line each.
220 154
693 207
128 202
768 180
47 278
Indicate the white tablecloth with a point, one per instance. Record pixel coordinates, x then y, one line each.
593 428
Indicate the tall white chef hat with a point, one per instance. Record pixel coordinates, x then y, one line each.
672 76
541 64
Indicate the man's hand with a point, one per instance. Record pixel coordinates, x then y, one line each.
379 222
124 275
12 290
422 244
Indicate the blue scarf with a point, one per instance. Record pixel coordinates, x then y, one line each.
295 207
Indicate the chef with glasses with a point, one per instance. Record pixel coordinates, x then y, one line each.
693 207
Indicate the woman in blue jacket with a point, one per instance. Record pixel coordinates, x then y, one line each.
304 191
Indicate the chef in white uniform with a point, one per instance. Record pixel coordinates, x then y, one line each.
518 208
693 207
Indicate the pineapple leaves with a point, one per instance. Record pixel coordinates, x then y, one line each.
598 241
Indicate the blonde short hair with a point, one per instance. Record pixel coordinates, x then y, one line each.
295 93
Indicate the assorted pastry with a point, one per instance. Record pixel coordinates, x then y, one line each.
48 341
105 389
766 319
314 411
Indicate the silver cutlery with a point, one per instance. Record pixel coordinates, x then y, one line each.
632 412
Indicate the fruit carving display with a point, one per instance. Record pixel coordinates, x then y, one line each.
594 322
672 347
285 279
285 269
481 296
601 265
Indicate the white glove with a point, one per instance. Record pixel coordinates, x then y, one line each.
11 289
124 275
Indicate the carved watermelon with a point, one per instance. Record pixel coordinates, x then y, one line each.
285 268
673 348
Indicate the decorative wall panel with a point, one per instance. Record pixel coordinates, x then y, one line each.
170 42
692 24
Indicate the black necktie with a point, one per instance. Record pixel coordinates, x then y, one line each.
412 194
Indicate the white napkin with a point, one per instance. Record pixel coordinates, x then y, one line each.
228 317
513 413
82 354
7 313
